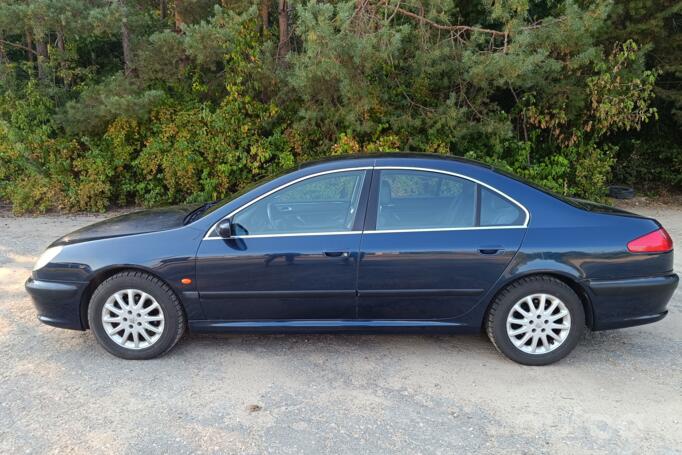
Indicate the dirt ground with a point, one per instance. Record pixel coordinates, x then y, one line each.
619 392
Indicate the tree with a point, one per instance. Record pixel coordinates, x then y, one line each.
3 52
284 45
653 157
264 10
125 41
136 101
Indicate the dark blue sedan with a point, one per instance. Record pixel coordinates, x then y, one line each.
390 243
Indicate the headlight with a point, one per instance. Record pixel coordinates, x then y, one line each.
47 256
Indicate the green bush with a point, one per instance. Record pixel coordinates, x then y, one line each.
201 108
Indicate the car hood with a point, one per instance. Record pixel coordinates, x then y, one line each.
140 222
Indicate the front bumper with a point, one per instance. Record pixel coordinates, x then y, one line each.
630 302
58 304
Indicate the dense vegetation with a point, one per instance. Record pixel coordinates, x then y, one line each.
116 102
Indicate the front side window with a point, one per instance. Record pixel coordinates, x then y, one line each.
325 203
424 200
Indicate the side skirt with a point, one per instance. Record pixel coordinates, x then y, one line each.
329 326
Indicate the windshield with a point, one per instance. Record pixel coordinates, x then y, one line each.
210 207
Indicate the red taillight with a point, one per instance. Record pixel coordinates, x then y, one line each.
655 242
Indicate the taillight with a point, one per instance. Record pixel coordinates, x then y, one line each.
654 242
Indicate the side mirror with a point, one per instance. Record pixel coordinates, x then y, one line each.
225 229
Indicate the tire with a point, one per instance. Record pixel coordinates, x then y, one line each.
163 324
621 192
558 299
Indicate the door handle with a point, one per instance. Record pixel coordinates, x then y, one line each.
490 250
337 254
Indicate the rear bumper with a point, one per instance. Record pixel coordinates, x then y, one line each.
630 302
58 304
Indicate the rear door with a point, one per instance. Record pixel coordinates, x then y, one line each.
434 243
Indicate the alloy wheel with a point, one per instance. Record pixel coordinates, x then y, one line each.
538 323
133 319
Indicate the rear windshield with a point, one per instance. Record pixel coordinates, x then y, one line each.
568 200
575 202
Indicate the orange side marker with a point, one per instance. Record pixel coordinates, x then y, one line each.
186 281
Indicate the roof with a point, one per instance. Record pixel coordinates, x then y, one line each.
390 155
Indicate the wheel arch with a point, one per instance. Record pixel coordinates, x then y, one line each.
102 275
567 279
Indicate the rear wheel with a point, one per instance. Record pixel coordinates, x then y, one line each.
135 315
537 320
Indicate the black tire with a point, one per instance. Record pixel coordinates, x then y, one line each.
621 192
174 318
496 320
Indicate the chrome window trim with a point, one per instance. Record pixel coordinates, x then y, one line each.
472 228
293 234
374 231
262 196
455 174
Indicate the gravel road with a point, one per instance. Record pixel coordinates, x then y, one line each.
619 392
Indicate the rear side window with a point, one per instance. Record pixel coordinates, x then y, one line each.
419 199
499 211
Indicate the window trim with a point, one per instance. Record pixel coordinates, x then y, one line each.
281 187
374 204
373 231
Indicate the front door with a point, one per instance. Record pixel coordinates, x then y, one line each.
434 243
293 254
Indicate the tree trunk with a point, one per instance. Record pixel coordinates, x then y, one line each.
125 43
41 50
29 45
359 7
179 18
265 15
283 47
163 9
127 54
3 54
358 16
62 59
60 39
179 22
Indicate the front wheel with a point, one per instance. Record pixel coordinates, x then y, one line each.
135 316
537 320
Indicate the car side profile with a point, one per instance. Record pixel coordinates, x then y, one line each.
407 243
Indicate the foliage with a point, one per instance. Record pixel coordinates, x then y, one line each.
652 158
116 102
